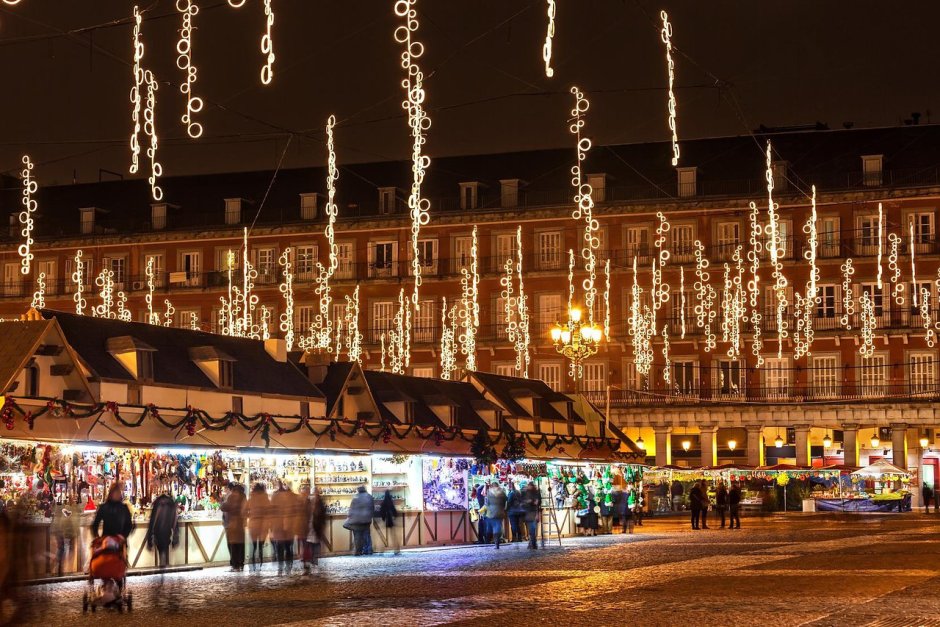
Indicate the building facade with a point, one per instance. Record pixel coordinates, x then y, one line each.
704 393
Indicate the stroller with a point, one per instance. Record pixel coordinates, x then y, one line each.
109 564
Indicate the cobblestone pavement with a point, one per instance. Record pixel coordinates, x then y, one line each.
878 570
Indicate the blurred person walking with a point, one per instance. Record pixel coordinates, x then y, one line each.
66 531
162 530
734 503
315 532
532 506
496 512
233 519
695 504
359 520
113 518
259 522
514 511
282 528
389 514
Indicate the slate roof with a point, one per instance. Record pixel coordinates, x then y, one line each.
426 392
20 340
727 166
254 370
507 389
332 386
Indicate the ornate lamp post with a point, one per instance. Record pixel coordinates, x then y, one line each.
577 340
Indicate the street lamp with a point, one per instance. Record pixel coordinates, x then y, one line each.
778 442
827 440
686 444
924 441
875 440
576 339
640 444
732 444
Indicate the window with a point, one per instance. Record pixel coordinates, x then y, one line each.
305 262
923 230
384 256
309 206
190 264
595 377
873 375
826 301
505 370
159 269
427 255
12 280
549 247
633 379
383 314
876 295
729 378
684 377
729 237
779 173
469 196
237 405
303 318
638 244
824 374
462 254
868 235
265 260
133 394
598 183
776 377
387 199
158 216
683 242
184 318
424 322
505 249
917 295
233 210
549 310
784 234
923 374
118 266
226 373
87 273
144 365
687 182
550 374
676 312
827 233
425 372
872 170
345 255
88 220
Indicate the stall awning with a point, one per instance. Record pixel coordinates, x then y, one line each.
880 467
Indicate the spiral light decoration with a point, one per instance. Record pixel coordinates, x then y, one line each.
152 317
660 289
812 297
323 322
287 291
522 340
150 128
78 278
39 296
607 301
105 282
448 342
880 241
123 313
584 202
353 335
894 243
184 61
910 227
705 313
570 278
868 320
681 302
193 321
30 187
549 36
848 302
267 42
249 300
169 313
135 94
666 35
469 314
930 336
667 364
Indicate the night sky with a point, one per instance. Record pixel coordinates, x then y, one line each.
779 63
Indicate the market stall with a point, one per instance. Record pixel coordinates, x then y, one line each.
878 488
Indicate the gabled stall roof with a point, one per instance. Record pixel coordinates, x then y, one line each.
21 340
507 389
425 393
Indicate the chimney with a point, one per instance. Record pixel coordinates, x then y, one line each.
317 366
277 349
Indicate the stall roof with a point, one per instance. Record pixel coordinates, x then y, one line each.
881 467
20 340
507 389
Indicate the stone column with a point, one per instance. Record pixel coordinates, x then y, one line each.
708 445
899 445
755 445
803 456
663 445
850 444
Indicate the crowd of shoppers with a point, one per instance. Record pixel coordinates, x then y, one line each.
727 503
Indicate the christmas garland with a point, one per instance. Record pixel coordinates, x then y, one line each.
482 444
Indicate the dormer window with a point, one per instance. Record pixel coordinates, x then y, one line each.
233 210
779 170
135 355
309 206
469 195
509 192
688 183
387 199
215 364
598 183
88 215
872 170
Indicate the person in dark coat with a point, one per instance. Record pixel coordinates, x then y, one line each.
695 503
927 493
675 492
359 520
162 531
316 531
514 511
721 502
621 506
483 530
389 514
113 515
705 504
589 519
496 512
234 510
532 506
734 503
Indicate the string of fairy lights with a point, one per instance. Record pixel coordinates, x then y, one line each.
184 61
26 215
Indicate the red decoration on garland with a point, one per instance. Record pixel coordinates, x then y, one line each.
113 408
438 437
7 415
29 419
153 411
387 434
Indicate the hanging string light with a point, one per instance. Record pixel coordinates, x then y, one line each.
338 344
353 335
169 313
584 202
848 301
570 278
509 306
150 128
323 325
396 346
266 316
753 285
607 301
382 343
867 310
419 123
666 35
523 339
184 61
930 335
448 343
799 339
667 367
894 243
705 296
811 300
777 251
267 43
26 215
287 290
39 296
660 289
880 242
640 329
105 282
549 36
123 313
248 300
152 318
136 92
469 312
78 278
681 301
193 321
910 226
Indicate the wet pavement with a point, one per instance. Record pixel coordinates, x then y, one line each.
793 570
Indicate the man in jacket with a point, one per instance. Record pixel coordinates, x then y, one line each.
695 503
515 511
359 520
721 502
734 502
496 512
162 530
113 515
927 493
532 508
233 513
705 503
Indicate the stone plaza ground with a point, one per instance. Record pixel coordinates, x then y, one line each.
780 570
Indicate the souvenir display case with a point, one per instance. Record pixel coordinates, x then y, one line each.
338 478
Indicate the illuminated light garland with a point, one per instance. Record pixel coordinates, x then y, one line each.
667 375
549 35
727 312
339 340
660 289
39 296
152 317
738 304
419 123
469 313
666 35
236 4
705 297
584 202
135 92
509 305
894 242
812 298
184 61
123 313
169 313
353 335
150 128
265 330
868 320
607 301
570 278
910 226
382 343
848 302
639 328
681 301
396 346
323 325
78 278
799 330
26 215
193 321
249 300
287 290
267 44
105 281
523 339
753 285
930 335
448 342
776 251
880 242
